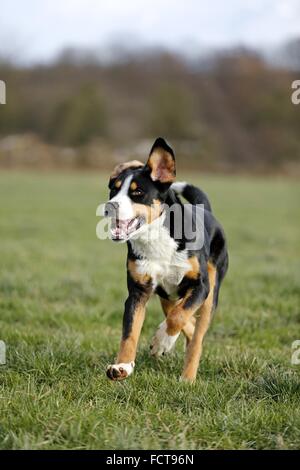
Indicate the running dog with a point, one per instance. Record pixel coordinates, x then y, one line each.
187 279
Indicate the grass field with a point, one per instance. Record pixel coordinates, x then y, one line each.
61 305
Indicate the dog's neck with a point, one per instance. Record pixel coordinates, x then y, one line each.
154 240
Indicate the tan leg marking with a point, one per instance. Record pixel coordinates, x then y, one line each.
194 349
178 316
188 330
169 330
194 272
125 361
128 346
189 327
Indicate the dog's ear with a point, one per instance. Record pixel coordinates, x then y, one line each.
122 167
161 162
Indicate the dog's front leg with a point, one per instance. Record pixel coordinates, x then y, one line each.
133 320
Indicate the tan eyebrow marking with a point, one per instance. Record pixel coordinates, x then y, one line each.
118 184
133 186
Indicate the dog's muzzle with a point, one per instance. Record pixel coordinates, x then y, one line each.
111 209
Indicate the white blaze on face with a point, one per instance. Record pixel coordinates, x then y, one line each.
125 222
125 210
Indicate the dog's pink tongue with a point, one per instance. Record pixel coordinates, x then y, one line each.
120 229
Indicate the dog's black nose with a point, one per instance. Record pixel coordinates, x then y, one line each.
110 209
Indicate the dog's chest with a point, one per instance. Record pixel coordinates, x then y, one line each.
162 262
165 273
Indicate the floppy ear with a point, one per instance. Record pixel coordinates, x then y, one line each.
161 162
122 167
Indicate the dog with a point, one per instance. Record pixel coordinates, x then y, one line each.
186 278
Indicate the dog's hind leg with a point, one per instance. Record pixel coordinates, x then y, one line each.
203 318
189 329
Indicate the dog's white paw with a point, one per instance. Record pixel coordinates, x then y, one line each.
162 343
119 371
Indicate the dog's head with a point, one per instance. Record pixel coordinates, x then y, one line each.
138 191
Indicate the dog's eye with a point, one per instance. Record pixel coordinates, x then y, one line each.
137 192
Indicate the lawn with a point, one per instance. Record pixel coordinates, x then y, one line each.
61 305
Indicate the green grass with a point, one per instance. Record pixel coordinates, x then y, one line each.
61 303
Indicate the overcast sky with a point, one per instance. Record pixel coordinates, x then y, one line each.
38 29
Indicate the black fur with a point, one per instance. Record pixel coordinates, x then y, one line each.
214 249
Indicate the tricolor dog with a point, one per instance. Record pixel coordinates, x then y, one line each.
186 277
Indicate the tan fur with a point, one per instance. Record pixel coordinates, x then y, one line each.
142 279
162 166
189 327
149 212
133 186
194 272
124 166
178 316
128 346
194 350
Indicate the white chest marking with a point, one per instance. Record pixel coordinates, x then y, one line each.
160 260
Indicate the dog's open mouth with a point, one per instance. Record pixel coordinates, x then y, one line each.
122 229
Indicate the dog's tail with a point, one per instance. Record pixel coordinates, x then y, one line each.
192 194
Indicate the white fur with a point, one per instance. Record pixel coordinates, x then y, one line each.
125 210
158 256
178 187
128 367
162 342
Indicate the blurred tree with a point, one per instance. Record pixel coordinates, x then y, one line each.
79 118
171 112
13 115
235 111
